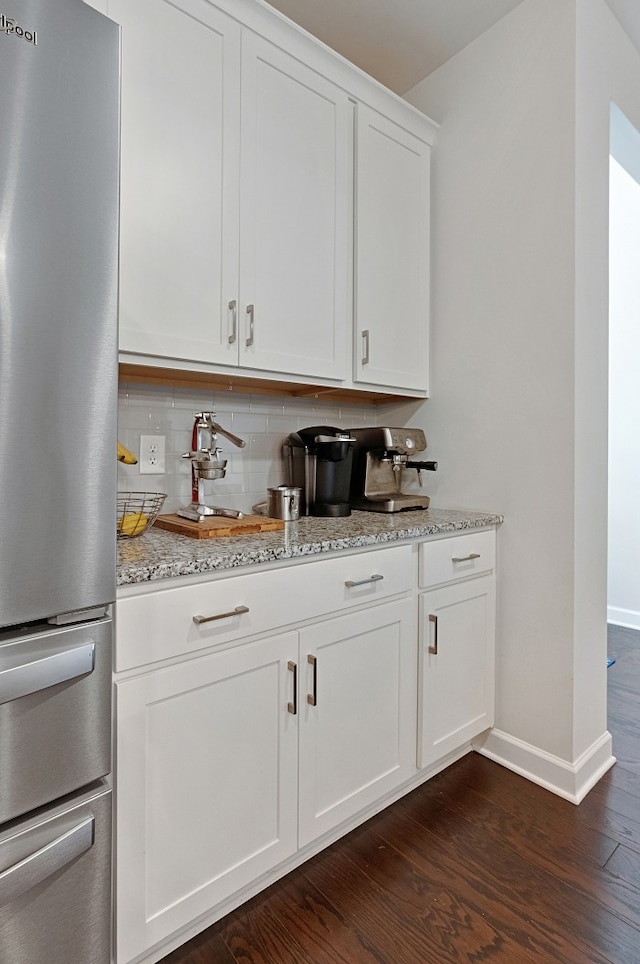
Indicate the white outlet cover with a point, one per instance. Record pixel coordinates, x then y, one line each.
152 454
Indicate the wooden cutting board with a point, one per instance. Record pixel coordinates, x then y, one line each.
218 525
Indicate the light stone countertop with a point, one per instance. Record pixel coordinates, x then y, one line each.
159 554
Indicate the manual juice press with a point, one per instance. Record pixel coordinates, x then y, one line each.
206 465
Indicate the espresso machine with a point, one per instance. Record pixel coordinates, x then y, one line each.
380 458
207 464
318 460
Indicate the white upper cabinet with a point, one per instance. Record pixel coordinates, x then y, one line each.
235 194
179 179
391 254
294 215
270 194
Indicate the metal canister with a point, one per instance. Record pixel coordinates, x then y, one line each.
283 502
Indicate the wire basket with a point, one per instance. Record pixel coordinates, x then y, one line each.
137 511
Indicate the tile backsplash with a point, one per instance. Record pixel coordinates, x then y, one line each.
263 421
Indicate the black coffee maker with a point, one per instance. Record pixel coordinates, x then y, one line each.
318 459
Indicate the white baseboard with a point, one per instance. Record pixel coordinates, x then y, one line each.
627 618
569 780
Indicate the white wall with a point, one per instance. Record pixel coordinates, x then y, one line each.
624 396
607 69
500 421
518 414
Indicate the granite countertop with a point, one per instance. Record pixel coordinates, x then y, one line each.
158 554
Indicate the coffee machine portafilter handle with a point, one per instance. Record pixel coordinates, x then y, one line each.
427 466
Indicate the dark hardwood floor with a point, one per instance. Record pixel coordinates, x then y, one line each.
477 865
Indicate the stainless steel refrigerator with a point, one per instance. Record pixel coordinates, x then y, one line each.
59 77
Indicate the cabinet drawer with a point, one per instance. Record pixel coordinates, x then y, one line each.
160 624
457 557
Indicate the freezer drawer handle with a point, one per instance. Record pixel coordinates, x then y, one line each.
199 620
376 577
31 677
35 868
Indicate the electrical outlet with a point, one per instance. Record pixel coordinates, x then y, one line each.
151 459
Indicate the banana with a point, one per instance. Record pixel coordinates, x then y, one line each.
124 455
132 523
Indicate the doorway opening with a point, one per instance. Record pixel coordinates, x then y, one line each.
623 589
623 592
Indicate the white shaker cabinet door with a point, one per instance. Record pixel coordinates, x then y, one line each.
294 215
457 666
206 785
357 713
179 192
392 196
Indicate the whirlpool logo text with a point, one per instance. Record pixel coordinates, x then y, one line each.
9 25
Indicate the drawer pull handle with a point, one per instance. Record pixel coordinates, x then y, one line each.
293 707
433 647
312 698
472 555
198 620
376 577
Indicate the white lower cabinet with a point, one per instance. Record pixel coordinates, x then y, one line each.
456 666
357 715
244 744
230 762
206 774
457 642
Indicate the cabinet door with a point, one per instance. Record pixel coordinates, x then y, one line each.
294 227
457 666
206 785
391 254
180 159
357 740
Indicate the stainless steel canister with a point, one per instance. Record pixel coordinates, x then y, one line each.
283 502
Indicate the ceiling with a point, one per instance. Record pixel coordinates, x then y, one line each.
401 41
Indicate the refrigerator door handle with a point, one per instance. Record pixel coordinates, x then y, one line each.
35 868
27 678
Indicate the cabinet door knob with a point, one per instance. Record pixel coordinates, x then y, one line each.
233 308
198 620
293 706
433 647
312 697
249 338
